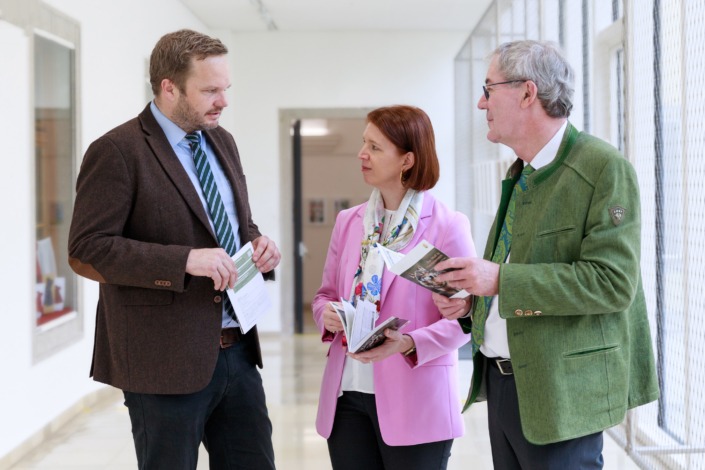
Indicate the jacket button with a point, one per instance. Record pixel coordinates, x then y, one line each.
528 313
217 299
518 312
538 312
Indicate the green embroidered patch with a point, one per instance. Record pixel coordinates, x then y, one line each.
617 214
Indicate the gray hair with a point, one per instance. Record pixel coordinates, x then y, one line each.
543 63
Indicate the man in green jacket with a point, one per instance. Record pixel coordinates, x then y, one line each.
561 342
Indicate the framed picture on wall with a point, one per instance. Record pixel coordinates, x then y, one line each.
316 211
340 204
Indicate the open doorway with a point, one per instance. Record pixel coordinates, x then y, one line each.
324 177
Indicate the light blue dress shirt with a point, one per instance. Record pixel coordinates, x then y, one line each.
176 137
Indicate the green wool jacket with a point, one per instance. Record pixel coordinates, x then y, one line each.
572 294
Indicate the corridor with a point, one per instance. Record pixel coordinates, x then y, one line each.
99 438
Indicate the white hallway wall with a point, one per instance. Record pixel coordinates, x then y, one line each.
115 43
276 70
270 71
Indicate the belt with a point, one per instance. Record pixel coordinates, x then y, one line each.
230 336
504 365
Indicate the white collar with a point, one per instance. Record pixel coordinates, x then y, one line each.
550 150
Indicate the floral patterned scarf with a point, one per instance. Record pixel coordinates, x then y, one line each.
367 284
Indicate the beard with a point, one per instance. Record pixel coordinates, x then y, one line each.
188 119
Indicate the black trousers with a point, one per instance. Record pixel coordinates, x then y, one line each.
356 442
229 416
511 450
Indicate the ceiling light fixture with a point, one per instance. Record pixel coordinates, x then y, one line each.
264 14
314 127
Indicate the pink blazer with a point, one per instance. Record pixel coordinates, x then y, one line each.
416 402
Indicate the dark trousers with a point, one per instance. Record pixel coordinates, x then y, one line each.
229 416
511 450
356 441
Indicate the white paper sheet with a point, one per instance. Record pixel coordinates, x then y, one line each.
249 296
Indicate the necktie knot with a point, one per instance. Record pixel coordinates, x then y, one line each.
521 184
193 140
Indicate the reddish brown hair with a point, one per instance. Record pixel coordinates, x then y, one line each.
410 130
171 56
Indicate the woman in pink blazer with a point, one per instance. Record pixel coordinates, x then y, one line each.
395 406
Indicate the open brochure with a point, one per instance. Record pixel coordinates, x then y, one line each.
249 295
418 267
359 325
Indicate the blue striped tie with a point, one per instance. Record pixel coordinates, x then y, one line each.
221 223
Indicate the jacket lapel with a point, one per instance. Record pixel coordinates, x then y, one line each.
237 182
507 189
163 152
389 278
355 234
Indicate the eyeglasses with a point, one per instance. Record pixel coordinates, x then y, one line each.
487 92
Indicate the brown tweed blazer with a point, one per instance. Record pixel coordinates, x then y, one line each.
136 217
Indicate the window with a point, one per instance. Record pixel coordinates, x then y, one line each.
55 311
54 156
639 80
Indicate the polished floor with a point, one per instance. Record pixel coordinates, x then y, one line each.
100 438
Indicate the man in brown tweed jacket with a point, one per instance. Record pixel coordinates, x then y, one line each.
142 227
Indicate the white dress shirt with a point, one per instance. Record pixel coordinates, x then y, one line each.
496 343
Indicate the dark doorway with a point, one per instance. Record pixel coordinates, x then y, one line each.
326 179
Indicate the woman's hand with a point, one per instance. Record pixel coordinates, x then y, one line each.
395 343
331 320
452 309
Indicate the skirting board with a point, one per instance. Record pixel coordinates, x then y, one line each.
105 395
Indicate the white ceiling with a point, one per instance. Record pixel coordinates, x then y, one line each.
340 15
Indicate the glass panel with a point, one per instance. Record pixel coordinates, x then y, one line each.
55 295
618 137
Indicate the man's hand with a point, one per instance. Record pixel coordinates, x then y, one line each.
475 275
451 309
266 255
213 263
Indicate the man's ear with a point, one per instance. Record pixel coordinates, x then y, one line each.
170 91
530 94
